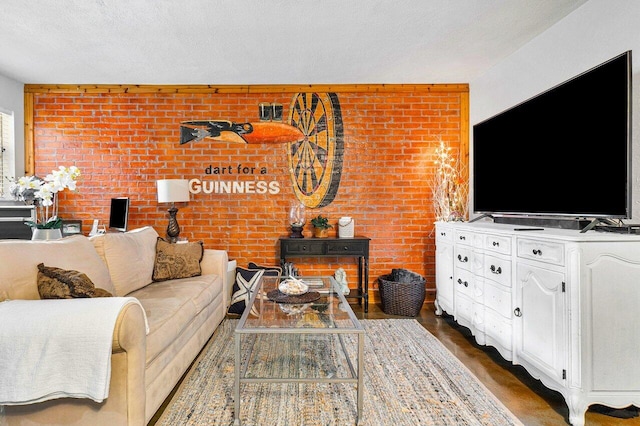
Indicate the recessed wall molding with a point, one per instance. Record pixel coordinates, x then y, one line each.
278 88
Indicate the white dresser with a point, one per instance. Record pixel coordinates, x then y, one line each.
563 304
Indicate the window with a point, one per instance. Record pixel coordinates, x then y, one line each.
7 151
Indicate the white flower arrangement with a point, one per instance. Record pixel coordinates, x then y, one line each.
43 194
450 186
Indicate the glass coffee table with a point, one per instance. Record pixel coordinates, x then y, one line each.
280 342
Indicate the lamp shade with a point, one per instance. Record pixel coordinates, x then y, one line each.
173 190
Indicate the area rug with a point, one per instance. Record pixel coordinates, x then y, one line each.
410 379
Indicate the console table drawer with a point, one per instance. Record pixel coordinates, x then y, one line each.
346 247
293 248
17 214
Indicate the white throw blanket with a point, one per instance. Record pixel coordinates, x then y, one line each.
57 348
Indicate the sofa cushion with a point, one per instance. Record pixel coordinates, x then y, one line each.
58 283
129 256
19 277
174 261
171 305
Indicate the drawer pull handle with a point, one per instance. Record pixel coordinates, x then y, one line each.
496 244
464 283
462 237
345 248
443 234
465 260
304 248
517 312
537 252
495 270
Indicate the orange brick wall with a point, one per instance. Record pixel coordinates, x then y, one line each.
124 142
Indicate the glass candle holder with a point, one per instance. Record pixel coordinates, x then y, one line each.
297 220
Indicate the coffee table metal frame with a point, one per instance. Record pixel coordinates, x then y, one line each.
249 325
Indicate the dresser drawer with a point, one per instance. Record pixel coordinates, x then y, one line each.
464 310
444 234
498 330
544 251
464 237
464 283
463 257
498 243
498 270
302 247
346 247
498 299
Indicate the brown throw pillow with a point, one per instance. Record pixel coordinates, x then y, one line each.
57 283
175 261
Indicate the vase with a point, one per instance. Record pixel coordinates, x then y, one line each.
320 232
46 234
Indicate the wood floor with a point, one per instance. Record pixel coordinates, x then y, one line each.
523 395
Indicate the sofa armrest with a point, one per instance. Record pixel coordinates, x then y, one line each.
125 404
130 336
216 262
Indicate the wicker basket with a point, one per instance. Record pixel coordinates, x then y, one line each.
402 298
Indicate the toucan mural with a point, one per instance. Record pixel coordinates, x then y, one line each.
227 131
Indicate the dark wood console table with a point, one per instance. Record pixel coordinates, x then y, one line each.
333 247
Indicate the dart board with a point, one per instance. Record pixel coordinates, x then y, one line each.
315 163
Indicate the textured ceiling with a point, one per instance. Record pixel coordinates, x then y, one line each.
265 42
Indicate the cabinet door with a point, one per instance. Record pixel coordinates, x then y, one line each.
444 278
541 342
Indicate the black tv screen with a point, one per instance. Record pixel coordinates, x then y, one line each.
564 152
119 214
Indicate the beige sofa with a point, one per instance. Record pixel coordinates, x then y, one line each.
181 315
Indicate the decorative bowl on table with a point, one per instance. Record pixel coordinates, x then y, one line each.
293 287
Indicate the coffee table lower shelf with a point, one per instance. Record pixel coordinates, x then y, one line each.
355 369
273 331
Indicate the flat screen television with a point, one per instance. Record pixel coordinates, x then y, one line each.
563 153
119 214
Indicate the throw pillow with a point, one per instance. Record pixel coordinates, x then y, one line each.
58 283
246 281
269 270
130 257
175 261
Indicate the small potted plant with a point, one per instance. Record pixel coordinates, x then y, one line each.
321 226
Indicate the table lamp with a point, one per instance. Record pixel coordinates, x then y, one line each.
173 191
